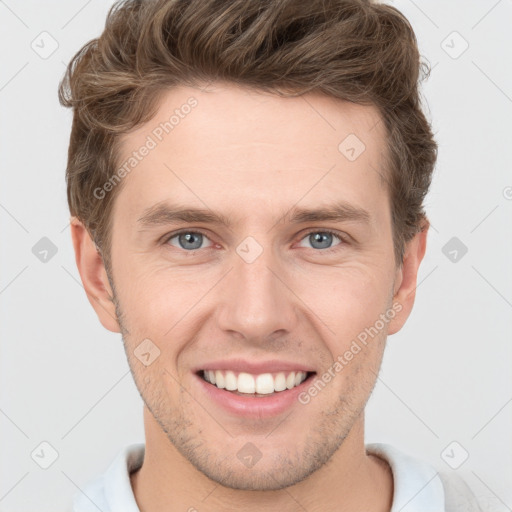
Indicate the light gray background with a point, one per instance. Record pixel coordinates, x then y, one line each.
445 377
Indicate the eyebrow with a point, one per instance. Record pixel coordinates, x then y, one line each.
165 213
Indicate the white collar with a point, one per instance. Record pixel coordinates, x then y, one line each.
417 486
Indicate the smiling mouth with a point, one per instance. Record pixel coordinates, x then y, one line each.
260 385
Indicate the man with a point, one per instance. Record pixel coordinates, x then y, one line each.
246 181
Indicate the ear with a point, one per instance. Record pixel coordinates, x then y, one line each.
406 279
94 276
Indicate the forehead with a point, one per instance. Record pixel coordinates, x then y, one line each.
243 146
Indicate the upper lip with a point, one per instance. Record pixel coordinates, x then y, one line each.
254 367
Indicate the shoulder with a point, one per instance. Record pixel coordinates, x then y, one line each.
466 492
111 491
420 486
416 485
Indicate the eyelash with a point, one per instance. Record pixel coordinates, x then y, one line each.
328 250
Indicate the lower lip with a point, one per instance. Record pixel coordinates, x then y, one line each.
254 406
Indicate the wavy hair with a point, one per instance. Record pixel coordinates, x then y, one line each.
354 50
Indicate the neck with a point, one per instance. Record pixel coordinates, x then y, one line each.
351 480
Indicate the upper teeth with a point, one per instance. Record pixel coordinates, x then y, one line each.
264 383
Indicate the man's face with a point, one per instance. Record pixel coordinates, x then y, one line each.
268 293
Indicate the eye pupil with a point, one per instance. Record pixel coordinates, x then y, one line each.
190 238
324 239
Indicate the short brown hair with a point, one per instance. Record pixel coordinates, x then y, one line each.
353 50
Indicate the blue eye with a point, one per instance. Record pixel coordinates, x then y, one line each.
322 240
188 240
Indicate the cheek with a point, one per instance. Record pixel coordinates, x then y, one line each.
160 303
163 306
345 301
146 303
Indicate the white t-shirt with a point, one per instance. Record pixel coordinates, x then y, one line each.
418 487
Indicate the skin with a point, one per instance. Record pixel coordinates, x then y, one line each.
253 157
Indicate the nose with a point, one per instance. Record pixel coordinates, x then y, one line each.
257 303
